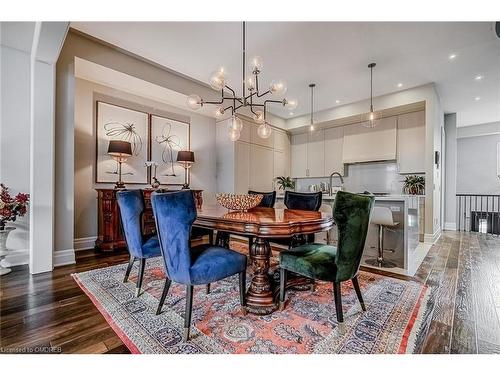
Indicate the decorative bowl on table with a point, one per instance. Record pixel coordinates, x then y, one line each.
238 202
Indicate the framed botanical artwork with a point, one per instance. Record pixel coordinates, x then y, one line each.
115 122
167 138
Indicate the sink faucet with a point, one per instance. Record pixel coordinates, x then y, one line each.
341 181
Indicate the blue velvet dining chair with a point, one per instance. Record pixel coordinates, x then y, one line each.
175 213
351 213
140 247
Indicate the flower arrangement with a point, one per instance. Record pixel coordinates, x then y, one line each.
414 185
11 207
285 183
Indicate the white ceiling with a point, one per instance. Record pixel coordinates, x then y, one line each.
334 55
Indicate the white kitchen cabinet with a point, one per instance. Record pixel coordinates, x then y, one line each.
261 168
363 144
411 142
242 167
281 164
334 140
281 140
299 155
246 131
316 153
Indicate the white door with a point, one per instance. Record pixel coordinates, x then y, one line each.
299 155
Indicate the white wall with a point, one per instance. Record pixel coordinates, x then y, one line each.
68 209
28 54
203 172
15 138
477 165
450 123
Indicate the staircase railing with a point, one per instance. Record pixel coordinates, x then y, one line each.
478 213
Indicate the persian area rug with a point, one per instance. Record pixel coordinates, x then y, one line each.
308 324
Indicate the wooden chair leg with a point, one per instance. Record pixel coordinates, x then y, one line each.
338 302
211 238
358 292
142 266
243 287
166 287
189 310
129 268
208 288
250 243
283 275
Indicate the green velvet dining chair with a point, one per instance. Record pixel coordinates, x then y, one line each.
336 264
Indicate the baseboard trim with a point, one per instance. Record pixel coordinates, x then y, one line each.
64 257
84 243
432 238
18 257
450 226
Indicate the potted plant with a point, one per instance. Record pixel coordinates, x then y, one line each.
10 209
285 183
414 185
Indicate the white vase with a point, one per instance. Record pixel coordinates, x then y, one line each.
4 234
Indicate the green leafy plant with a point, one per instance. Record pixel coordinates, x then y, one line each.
414 185
285 182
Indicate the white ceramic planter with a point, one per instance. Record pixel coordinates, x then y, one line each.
4 234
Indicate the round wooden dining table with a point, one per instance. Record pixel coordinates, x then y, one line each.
263 224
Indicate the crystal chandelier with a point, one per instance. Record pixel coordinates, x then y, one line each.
230 101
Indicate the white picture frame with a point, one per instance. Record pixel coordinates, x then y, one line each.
168 136
114 122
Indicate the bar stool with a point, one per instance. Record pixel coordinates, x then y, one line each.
382 216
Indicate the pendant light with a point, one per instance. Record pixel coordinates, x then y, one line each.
372 116
312 86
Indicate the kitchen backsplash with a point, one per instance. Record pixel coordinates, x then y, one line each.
379 177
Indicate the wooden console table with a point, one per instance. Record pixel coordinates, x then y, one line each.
109 232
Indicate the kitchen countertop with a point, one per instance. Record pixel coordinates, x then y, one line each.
392 197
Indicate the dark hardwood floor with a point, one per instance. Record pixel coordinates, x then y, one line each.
462 270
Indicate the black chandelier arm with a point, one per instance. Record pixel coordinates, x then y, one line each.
260 95
234 98
212 102
273 101
257 87
250 96
229 107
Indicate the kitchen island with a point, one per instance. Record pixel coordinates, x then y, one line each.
403 244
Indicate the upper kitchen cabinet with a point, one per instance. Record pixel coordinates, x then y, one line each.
281 141
299 155
362 144
411 142
316 153
334 141
281 153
